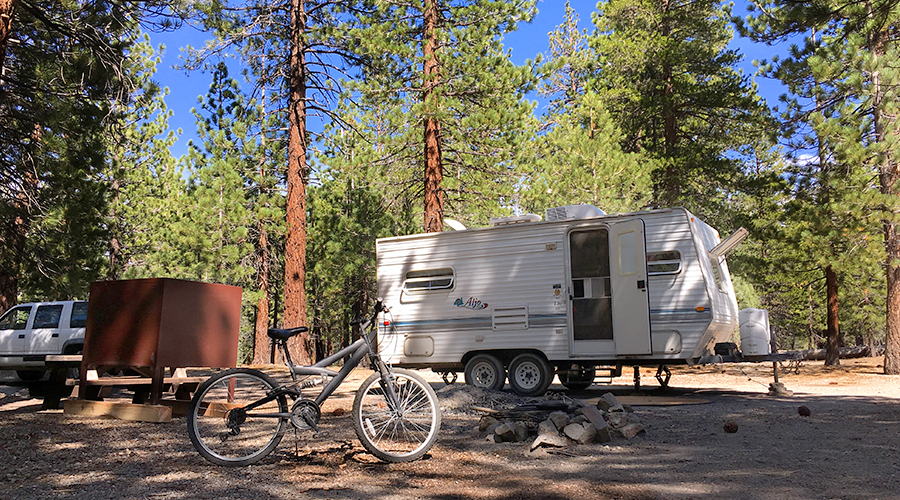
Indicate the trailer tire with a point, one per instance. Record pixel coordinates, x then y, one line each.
485 371
530 374
579 382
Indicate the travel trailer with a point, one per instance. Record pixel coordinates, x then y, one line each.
570 294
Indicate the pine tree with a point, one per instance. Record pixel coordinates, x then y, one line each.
146 186
666 74
449 102
850 46
55 96
220 233
301 47
579 158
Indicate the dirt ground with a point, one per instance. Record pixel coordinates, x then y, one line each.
848 448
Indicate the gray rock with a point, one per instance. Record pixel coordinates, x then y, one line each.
506 431
574 432
609 403
631 430
560 419
521 431
486 422
590 434
554 440
617 419
547 427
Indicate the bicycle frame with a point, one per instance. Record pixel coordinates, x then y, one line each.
355 352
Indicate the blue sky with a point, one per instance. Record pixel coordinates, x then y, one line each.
526 43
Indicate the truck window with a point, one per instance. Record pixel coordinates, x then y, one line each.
432 279
48 316
79 315
659 263
15 319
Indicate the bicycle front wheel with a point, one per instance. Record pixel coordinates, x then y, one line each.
234 419
400 434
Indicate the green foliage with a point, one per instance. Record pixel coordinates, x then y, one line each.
58 83
580 160
478 99
834 216
667 76
345 219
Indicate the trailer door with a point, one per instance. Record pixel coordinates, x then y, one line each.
590 304
630 298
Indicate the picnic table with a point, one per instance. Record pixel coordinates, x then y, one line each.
95 388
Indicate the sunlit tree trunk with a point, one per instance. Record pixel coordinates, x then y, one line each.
295 245
434 197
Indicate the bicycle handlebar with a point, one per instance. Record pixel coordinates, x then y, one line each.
378 309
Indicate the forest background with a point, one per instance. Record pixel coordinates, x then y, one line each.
330 123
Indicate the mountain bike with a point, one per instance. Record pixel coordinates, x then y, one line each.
238 416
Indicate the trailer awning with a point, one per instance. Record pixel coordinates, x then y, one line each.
729 244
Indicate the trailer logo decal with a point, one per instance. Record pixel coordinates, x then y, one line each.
472 303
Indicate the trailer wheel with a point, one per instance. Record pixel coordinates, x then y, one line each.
485 371
530 374
580 381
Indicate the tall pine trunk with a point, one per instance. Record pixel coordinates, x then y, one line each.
9 269
261 344
295 246
434 196
6 13
888 176
668 187
833 340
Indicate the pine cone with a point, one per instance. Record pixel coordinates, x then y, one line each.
731 427
804 411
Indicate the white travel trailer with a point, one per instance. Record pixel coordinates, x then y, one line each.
567 295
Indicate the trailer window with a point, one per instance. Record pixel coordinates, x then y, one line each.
717 272
659 263
433 279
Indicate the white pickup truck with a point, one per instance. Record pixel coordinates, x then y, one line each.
29 332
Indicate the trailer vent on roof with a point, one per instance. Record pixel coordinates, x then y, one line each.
514 219
572 212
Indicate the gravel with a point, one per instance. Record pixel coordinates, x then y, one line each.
847 448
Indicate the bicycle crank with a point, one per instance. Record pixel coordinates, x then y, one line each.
305 415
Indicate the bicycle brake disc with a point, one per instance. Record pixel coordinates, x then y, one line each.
305 415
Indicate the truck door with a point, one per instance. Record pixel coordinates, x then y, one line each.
609 308
13 330
630 298
44 335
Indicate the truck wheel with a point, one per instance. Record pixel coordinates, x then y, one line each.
485 371
30 375
580 381
530 374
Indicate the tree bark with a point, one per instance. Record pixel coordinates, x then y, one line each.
888 176
434 170
6 13
261 345
833 343
671 179
295 245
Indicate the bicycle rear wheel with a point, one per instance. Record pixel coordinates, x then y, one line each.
231 423
397 434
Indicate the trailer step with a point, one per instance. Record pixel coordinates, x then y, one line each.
604 375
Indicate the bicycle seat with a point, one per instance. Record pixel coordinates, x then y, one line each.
286 333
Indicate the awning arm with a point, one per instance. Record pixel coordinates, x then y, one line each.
729 244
